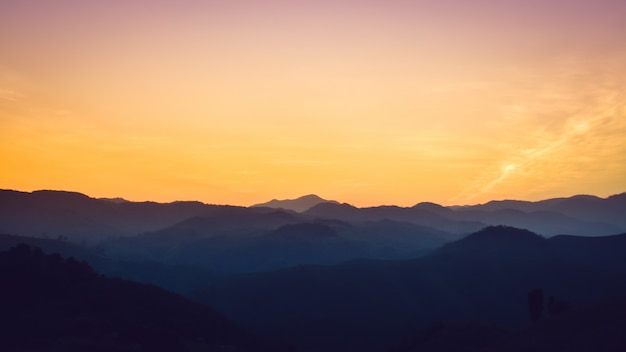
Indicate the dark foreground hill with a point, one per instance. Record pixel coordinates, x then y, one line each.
362 304
176 278
596 327
53 304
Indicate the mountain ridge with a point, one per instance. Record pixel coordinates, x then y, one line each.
486 275
59 304
83 219
298 205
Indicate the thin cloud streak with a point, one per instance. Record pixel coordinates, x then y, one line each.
585 126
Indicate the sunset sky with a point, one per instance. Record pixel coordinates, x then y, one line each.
368 102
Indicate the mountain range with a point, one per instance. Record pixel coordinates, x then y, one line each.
324 275
81 218
51 303
485 276
278 234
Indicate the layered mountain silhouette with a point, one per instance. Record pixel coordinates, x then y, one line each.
80 218
298 205
591 208
287 240
83 219
238 239
326 275
412 215
177 278
485 276
56 304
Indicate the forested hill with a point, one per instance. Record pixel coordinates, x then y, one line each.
56 304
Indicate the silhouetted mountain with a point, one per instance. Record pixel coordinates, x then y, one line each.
298 205
343 211
591 208
596 327
62 247
579 215
495 240
467 336
227 248
485 276
434 208
222 239
228 221
548 223
402 240
79 218
354 303
605 253
178 278
416 215
63 305
257 239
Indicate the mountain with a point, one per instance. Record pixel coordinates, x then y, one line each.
177 278
335 277
581 214
298 205
365 304
578 215
594 327
59 304
415 215
605 253
434 208
82 219
402 240
230 239
79 218
260 239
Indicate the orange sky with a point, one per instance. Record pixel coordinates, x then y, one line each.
368 102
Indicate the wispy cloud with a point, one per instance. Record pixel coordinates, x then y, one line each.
580 131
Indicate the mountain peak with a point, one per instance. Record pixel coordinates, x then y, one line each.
299 205
498 238
433 208
311 197
501 231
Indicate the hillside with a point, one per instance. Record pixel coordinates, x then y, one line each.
594 327
61 304
261 239
485 276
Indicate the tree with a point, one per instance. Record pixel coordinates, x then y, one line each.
557 306
535 304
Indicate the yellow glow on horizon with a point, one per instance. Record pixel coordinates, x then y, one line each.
240 106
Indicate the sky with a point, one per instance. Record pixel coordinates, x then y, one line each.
368 102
